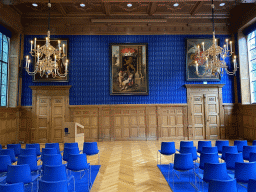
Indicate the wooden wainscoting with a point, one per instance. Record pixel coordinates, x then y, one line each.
131 122
247 122
136 122
231 120
25 124
9 121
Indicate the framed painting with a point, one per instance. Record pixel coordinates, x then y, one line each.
128 69
60 63
191 59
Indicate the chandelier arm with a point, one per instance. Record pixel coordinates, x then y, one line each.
213 28
49 5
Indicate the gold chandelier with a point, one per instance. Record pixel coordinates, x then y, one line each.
213 59
47 57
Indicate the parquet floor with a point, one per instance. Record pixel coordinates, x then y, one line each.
130 166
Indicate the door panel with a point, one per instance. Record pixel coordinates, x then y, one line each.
212 116
43 119
198 116
57 104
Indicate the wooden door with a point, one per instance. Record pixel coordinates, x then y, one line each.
197 108
211 116
57 118
43 119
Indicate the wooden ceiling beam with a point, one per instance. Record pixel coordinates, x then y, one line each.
61 9
196 7
107 8
152 8
13 2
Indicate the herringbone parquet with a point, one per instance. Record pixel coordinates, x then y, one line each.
130 166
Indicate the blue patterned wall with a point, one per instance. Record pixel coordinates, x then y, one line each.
90 68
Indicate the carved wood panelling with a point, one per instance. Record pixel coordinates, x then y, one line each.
129 122
134 122
172 122
206 112
49 111
89 118
9 121
246 121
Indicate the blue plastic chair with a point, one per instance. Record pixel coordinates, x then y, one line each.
0 146
254 142
186 144
31 160
9 152
15 147
220 143
252 157
68 151
15 187
50 186
29 151
70 145
191 150
210 150
232 158
244 172
228 149
208 158
240 144
20 173
247 150
183 162
78 163
53 145
251 185
48 151
56 173
167 148
222 185
216 171
34 145
52 159
5 160
91 148
202 144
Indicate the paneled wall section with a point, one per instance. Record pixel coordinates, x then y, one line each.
132 122
9 121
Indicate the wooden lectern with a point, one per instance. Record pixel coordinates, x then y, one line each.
74 132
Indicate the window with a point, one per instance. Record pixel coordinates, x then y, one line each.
4 59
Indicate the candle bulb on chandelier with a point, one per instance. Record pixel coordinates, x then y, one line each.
28 63
35 44
230 46
198 50
63 48
66 66
227 43
203 45
196 67
59 43
31 45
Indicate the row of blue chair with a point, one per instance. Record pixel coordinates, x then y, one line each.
51 157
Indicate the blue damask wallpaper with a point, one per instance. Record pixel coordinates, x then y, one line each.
89 70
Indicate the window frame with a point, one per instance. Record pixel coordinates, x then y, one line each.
8 71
